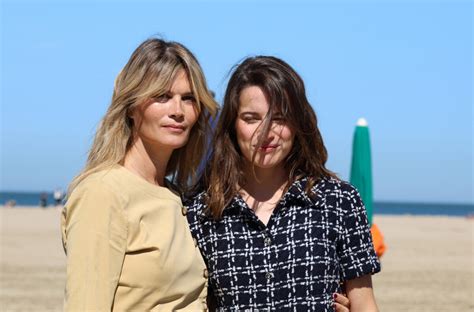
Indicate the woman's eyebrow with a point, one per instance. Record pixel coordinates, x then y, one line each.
189 93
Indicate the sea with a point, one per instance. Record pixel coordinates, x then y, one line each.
391 208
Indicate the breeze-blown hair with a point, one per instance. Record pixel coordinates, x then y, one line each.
285 92
149 73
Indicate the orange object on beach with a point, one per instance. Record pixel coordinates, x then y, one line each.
377 239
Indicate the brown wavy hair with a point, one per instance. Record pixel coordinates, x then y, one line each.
285 91
149 72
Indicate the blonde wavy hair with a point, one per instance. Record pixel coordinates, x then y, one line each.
149 73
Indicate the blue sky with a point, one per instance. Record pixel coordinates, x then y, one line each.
406 66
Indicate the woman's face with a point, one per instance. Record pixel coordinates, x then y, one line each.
166 121
277 143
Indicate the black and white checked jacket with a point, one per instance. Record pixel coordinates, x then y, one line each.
297 261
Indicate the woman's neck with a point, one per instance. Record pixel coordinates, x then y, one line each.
147 161
264 182
263 190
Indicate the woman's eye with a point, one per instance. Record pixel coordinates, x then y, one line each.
250 120
162 98
279 120
189 99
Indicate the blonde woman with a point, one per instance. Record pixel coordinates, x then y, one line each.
124 228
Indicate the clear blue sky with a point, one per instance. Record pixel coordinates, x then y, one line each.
406 66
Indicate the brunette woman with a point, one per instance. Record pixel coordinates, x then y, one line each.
277 229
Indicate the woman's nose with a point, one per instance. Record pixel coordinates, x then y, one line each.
176 108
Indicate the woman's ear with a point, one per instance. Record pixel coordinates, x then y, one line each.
130 119
130 112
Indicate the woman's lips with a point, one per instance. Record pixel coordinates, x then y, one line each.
268 147
175 128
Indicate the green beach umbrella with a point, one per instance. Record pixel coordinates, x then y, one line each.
361 168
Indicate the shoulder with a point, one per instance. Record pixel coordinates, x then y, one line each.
120 181
100 189
333 185
335 191
196 207
103 181
196 203
94 205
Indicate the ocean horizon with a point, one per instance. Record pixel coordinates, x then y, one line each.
380 207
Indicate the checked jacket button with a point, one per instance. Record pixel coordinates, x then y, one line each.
268 241
269 276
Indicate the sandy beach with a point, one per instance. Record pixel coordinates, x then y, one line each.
428 265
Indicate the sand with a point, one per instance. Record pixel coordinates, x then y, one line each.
428 265
32 260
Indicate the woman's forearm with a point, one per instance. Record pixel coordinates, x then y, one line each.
361 294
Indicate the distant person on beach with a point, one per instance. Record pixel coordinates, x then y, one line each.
10 203
124 227
58 196
278 231
43 202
